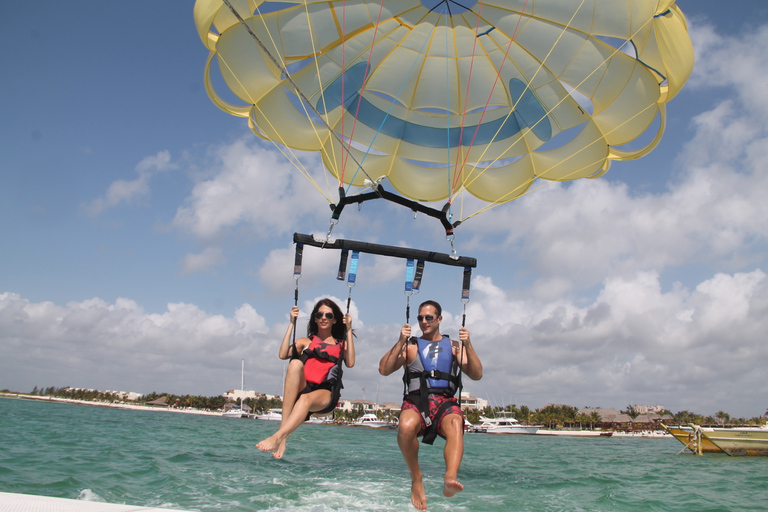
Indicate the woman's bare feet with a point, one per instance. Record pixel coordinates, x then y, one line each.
418 496
278 454
273 444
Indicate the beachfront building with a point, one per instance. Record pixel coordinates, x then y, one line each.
365 406
649 409
611 419
472 402
233 395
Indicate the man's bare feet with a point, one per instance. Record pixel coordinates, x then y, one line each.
418 496
451 487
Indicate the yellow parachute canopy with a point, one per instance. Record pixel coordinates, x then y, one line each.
443 96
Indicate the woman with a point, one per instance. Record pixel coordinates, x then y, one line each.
313 378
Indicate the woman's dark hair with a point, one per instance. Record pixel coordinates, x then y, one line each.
338 330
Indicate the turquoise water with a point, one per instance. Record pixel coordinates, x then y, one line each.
204 463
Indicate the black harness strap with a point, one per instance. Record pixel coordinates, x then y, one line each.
421 397
380 193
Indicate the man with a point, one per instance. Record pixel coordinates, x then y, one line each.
432 377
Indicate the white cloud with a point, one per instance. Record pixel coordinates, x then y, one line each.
108 346
129 191
211 256
252 186
635 342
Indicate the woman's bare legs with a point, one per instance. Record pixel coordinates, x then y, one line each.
308 402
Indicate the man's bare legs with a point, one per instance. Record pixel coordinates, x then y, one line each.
410 424
452 427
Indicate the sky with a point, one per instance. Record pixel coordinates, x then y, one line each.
147 235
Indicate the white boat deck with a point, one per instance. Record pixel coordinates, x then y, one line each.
10 502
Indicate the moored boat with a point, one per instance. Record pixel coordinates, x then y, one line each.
371 420
739 441
688 437
271 414
235 412
505 424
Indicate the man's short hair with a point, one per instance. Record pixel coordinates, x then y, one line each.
434 304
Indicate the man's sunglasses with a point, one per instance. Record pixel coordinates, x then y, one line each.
320 314
428 318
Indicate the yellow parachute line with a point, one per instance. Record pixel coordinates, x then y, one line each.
289 155
245 111
527 88
337 172
618 154
501 200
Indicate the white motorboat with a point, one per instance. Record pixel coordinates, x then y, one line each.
271 414
505 424
234 412
371 420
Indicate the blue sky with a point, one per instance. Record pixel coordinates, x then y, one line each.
147 235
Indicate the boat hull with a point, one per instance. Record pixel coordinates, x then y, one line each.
739 441
521 430
687 436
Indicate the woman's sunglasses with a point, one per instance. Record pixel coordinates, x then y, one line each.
320 314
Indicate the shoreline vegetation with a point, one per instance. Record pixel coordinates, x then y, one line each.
562 420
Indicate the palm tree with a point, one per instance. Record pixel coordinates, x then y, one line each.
594 417
723 417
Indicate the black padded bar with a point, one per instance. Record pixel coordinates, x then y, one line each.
387 250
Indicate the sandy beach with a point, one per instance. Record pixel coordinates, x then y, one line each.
114 405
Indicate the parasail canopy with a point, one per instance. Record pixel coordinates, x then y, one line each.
444 97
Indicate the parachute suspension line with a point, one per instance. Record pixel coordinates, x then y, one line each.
378 190
490 94
542 174
343 87
501 200
332 159
527 87
414 270
291 81
448 111
459 170
392 105
609 57
359 100
290 156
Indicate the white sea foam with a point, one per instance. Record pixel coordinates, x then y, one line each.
89 495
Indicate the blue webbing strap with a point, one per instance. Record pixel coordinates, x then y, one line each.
414 270
409 271
353 268
352 276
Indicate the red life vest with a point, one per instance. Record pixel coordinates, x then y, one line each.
321 357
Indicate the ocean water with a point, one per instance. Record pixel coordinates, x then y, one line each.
204 463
